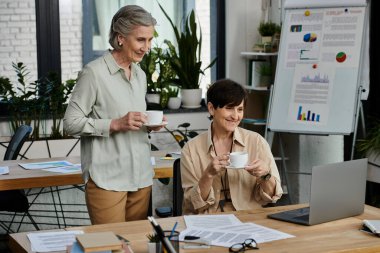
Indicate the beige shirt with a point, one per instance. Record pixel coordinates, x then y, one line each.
118 161
245 190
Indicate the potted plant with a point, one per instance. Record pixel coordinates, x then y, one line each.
185 60
267 30
148 65
154 244
370 147
159 74
174 101
32 103
265 71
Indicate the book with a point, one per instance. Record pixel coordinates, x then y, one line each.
373 225
102 241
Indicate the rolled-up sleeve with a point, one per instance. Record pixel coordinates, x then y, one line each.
193 202
80 118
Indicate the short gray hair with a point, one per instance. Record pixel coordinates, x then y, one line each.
126 19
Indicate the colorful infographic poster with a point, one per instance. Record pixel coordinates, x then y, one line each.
324 35
311 94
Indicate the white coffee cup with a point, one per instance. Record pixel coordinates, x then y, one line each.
154 117
239 159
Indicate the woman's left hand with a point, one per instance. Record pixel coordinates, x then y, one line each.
257 168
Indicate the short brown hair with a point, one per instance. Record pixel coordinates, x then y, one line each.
226 92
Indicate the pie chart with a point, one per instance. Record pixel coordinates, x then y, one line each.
310 37
341 57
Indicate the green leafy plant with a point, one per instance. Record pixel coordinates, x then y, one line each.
158 70
265 69
31 103
371 144
153 238
173 91
185 61
267 28
57 95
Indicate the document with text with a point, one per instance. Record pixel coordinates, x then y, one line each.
225 236
45 165
211 221
52 241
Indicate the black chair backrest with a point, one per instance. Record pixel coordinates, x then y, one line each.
18 139
177 188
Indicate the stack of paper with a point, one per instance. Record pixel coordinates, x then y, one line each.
226 229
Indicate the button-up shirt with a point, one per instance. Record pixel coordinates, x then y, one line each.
245 190
119 161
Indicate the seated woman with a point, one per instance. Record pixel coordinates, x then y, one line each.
208 185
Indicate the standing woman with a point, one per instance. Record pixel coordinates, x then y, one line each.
107 110
209 185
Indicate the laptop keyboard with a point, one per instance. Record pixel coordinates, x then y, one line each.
299 212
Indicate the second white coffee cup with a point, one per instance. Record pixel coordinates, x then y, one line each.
154 117
239 159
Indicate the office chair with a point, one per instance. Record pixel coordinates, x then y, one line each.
15 200
176 210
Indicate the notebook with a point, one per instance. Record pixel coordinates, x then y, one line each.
337 191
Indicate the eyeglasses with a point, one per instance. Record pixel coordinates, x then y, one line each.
246 245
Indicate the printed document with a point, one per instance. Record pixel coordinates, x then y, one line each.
4 170
211 221
52 241
226 236
66 170
45 165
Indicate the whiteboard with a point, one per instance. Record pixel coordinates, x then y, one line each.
318 69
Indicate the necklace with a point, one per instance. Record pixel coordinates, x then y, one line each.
224 184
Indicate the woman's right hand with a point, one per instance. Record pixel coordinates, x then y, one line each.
132 121
217 164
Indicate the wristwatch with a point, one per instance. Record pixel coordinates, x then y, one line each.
266 177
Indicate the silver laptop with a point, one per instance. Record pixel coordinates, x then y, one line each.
337 191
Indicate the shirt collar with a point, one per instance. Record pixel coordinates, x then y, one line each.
111 63
237 139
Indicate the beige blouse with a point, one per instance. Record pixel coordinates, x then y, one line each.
245 190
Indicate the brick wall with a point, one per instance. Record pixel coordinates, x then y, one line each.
18 37
71 37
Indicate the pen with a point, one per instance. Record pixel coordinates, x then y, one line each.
173 229
165 241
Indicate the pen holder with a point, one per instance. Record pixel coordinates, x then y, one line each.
174 239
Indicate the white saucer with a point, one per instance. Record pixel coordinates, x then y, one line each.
191 106
235 168
163 123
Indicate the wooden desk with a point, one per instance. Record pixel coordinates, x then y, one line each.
336 236
19 178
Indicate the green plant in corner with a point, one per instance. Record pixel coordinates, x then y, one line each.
23 100
371 144
186 60
31 103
